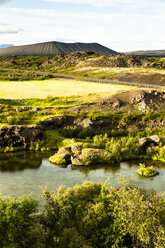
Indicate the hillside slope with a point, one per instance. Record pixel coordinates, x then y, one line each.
148 53
54 48
141 70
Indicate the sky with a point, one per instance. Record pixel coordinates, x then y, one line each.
121 25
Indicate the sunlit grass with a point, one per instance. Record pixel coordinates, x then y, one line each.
119 70
56 88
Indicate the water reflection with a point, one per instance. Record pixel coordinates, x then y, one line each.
107 169
22 173
156 164
12 162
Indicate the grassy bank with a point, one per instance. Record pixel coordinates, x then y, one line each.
49 98
84 115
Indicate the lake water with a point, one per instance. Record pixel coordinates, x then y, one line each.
24 173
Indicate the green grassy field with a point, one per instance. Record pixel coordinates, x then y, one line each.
111 71
55 88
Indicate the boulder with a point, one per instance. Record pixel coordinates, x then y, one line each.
156 139
56 122
20 136
60 158
65 150
75 160
87 122
142 106
79 156
53 122
74 140
139 97
63 156
147 172
22 109
92 156
151 141
76 148
37 109
117 104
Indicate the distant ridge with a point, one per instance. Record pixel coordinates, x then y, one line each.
6 45
148 53
54 48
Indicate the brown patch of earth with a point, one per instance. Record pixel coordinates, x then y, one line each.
151 79
133 100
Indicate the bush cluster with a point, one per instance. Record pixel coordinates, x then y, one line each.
90 216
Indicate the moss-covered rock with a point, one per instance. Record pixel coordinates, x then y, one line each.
76 160
58 159
77 155
63 156
147 172
76 149
92 156
65 150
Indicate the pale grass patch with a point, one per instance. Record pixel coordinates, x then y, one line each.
42 89
120 70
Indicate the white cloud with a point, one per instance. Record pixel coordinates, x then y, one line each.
119 31
5 29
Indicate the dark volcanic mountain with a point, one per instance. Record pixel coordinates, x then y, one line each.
53 48
148 53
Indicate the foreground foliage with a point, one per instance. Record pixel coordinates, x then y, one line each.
90 216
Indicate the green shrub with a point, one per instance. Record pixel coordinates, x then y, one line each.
100 140
19 227
93 215
90 216
11 120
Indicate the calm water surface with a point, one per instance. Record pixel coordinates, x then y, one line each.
24 173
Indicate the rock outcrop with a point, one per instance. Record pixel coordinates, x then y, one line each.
20 136
90 156
79 156
151 142
147 172
57 122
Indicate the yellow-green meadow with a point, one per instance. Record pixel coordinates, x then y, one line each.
56 88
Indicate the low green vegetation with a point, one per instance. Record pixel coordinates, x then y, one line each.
102 149
147 172
131 69
18 75
34 111
91 216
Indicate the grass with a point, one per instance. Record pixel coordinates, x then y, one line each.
110 71
54 139
56 88
54 97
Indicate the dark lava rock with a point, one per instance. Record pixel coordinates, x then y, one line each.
57 122
53 122
20 136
